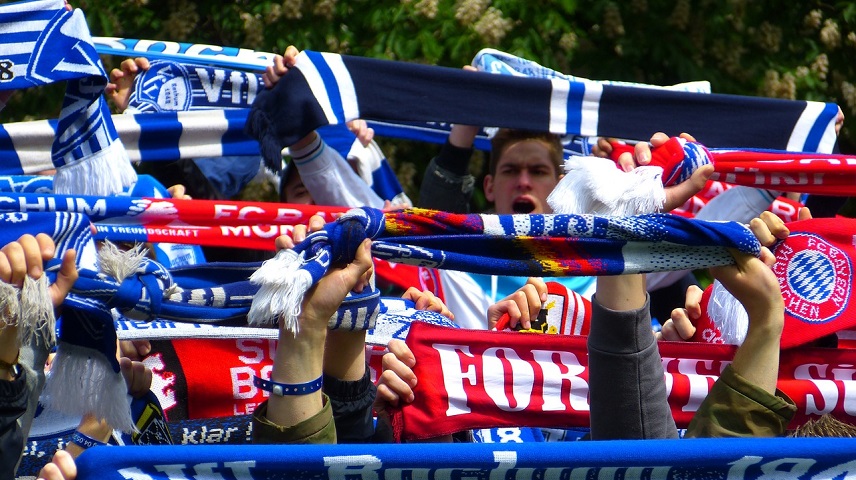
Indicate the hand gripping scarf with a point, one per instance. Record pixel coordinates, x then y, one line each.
329 89
522 245
85 375
42 44
479 379
815 269
169 86
565 312
594 185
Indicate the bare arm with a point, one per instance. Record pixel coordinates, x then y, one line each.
757 359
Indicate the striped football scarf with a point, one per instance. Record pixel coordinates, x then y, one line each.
85 375
43 44
594 185
521 245
482 379
815 270
330 89
738 459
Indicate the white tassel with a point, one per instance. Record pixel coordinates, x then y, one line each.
82 381
728 314
10 303
120 264
107 172
282 287
594 185
38 321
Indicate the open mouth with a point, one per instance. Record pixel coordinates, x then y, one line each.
523 206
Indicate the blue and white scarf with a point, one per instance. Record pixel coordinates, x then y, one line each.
37 195
42 44
329 89
85 374
169 86
522 245
495 61
195 53
703 458
174 87
432 132
25 146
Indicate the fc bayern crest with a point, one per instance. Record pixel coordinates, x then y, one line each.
814 276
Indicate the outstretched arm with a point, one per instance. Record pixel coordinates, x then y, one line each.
627 391
626 379
752 282
19 259
305 416
744 401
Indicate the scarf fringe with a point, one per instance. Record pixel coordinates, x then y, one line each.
120 264
107 172
282 287
38 321
10 306
728 315
82 381
594 185
260 127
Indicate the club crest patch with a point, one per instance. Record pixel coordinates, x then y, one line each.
164 87
814 276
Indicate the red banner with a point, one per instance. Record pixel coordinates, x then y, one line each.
215 376
219 374
227 212
480 379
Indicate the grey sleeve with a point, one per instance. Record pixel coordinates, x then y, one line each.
626 379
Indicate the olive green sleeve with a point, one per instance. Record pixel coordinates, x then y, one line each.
317 429
737 408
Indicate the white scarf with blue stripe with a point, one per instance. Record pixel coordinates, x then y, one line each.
42 43
331 89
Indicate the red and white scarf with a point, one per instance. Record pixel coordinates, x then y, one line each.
594 185
815 269
486 379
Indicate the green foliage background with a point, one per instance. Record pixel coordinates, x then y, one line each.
796 50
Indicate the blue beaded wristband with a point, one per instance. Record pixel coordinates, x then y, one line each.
282 389
85 441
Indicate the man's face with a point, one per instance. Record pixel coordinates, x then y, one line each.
295 192
524 178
